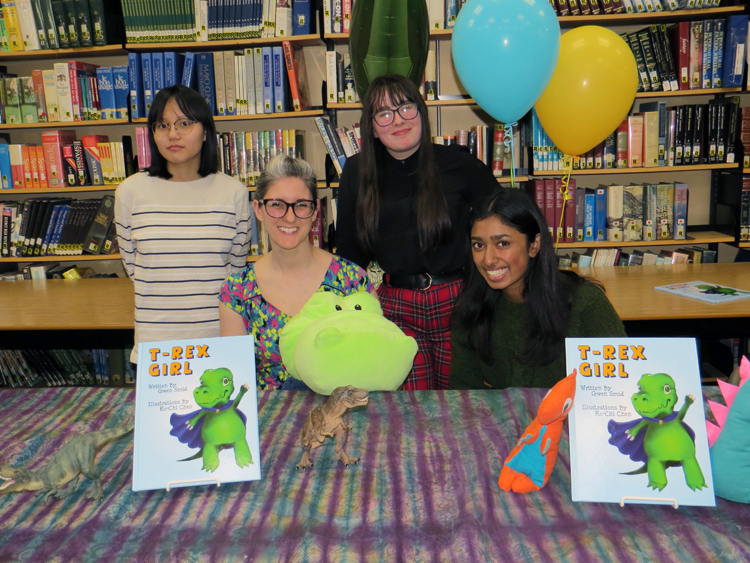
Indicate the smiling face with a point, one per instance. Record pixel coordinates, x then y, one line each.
289 231
501 254
182 151
402 137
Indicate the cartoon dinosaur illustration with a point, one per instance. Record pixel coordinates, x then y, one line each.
218 424
76 457
719 290
325 420
529 465
730 441
660 439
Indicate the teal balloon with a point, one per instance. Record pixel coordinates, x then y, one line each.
505 52
388 37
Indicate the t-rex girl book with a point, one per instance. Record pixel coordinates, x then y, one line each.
638 426
196 413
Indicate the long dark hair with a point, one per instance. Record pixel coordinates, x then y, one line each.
192 104
433 220
547 298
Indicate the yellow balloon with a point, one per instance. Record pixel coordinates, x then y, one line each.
591 90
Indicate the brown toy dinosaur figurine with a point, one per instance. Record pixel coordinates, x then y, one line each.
76 457
325 420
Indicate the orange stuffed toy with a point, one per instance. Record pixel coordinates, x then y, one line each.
530 464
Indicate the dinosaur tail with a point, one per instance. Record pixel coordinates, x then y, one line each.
200 452
104 436
194 456
641 469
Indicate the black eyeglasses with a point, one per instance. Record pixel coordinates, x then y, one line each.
386 116
277 208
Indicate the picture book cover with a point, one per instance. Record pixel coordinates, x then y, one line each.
705 291
196 413
638 425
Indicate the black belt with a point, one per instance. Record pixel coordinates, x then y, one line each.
421 281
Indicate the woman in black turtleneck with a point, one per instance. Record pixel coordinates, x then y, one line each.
404 203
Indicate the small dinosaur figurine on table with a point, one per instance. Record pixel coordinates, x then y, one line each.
326 420
76 457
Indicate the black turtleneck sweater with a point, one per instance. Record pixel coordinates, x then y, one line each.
466 181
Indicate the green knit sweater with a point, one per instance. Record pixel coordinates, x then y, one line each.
592 315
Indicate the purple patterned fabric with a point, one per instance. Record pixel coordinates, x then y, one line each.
425 490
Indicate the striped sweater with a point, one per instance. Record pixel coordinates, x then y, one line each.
179 241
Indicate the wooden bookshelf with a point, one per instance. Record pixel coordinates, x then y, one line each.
652 170
567 22
75 53
65 124
60 191
697 237
251 117
429 103
63 258
682 93
648 17
228 44
79 258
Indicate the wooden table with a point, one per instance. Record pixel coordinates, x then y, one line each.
95 312
631 290
648 312
97 304
103 307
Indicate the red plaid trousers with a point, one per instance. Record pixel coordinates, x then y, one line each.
424 315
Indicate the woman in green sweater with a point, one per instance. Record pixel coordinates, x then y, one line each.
517 307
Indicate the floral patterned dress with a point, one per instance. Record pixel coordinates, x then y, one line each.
240 293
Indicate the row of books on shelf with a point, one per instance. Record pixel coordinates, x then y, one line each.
734 192
60 367
70 91
258 80
49 271
616 213
619 257
339 88
492 145
597 7
254 81
659 135
58 226
244 154
64 161
487 143
690 55
28 25
215 20
744 222
335 139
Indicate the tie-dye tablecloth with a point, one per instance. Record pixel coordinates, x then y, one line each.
424 490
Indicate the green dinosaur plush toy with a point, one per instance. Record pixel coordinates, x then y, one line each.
336 341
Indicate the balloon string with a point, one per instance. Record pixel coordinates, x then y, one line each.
566 197
509 146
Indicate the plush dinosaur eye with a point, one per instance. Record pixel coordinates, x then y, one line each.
667 389
358 307
225 381
338 307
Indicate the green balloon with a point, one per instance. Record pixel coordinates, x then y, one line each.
388 37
